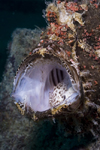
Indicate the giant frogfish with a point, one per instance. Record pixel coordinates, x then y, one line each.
60 78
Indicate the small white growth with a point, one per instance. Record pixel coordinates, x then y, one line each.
84 46
67 17
93 133
94 122
98 52
75 65
84 73
87 85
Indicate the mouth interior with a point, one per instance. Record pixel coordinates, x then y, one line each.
45 84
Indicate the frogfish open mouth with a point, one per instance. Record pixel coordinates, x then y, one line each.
46 81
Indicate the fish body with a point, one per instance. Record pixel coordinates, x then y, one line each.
60 77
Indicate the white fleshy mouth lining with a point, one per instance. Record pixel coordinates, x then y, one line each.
45 84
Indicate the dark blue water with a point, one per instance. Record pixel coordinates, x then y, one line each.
17 14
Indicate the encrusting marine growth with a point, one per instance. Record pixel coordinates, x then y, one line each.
60 77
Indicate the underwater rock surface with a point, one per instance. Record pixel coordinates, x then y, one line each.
14 129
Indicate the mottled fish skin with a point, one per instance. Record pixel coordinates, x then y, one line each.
71 42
